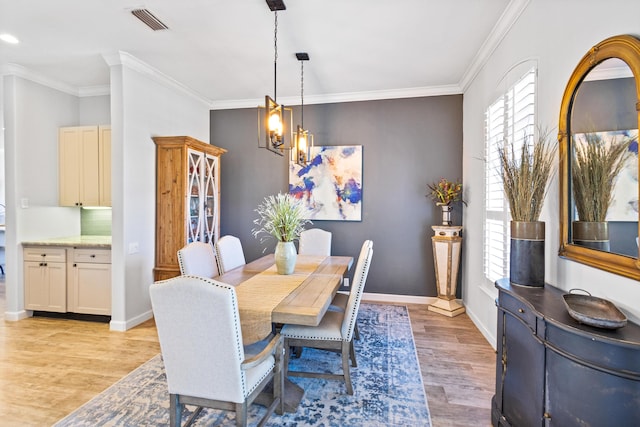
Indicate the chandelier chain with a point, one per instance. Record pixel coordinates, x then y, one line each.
275 55
302 93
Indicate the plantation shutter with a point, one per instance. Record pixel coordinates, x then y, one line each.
508 121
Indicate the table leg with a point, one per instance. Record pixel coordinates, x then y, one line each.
292 395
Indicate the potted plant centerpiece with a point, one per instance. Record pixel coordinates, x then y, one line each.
595 166
444 192
525 180
281 217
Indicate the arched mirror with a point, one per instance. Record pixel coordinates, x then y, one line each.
598 135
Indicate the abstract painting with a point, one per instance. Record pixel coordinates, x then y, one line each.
330 186
624 206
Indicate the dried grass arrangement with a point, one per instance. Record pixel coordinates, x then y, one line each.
282 217
526 177
594 169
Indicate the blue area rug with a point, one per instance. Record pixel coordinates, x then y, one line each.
388 388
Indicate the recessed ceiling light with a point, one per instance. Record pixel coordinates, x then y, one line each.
9 38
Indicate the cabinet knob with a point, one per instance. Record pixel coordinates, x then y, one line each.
547 415
92 256
75 265
521 310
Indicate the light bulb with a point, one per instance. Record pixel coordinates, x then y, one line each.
302 142
275 125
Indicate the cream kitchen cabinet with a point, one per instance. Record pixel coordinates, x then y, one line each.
84 166
67 279
89 281
45 279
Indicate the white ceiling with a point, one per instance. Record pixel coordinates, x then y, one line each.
224 50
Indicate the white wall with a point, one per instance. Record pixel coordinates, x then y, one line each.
556 34
143 104
32 115
94 110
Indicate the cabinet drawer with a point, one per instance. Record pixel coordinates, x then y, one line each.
519 309
43 253
96 256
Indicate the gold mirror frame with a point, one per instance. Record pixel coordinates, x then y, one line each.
626 48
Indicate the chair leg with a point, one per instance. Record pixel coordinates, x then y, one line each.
352 354
175 411
241 414
287 355
345 365
356 332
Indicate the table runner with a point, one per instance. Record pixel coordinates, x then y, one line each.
259 295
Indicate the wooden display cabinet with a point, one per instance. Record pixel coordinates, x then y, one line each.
187 198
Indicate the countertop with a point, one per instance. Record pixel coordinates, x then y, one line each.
74 241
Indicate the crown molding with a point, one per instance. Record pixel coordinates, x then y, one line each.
94 90
127 60
25 73
344 97
505 22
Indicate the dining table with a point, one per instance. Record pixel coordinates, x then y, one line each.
267 299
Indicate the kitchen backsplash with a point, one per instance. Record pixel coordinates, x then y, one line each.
95 222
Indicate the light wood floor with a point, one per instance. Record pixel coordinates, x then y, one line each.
50 367
458 368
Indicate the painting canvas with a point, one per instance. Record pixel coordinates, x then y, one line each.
624 206
330 186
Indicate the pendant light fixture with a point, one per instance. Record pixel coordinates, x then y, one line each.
303 138
273 117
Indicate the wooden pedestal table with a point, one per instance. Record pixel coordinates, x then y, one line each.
266 298
447 244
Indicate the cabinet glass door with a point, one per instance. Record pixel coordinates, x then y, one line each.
195 195
211 199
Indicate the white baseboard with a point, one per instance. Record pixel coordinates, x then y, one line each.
488 335
398 299
124 326
17 315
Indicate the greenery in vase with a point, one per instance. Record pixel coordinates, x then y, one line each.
280 216
525 178
594 169
444 191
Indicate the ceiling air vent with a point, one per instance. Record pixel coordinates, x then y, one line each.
149 19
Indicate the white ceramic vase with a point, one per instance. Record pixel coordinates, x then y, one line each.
285 255
446 213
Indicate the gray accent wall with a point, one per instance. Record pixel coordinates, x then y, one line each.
407 144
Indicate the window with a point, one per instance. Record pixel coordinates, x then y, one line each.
508 121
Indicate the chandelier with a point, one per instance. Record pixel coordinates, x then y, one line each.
273 117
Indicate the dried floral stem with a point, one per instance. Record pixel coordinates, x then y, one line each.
444 191
594 169
281 217
525 179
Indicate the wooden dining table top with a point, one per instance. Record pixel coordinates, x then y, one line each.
309 301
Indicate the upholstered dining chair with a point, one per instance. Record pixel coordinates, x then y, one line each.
230 253
206 364
340 300
335 331
198 259
315 241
